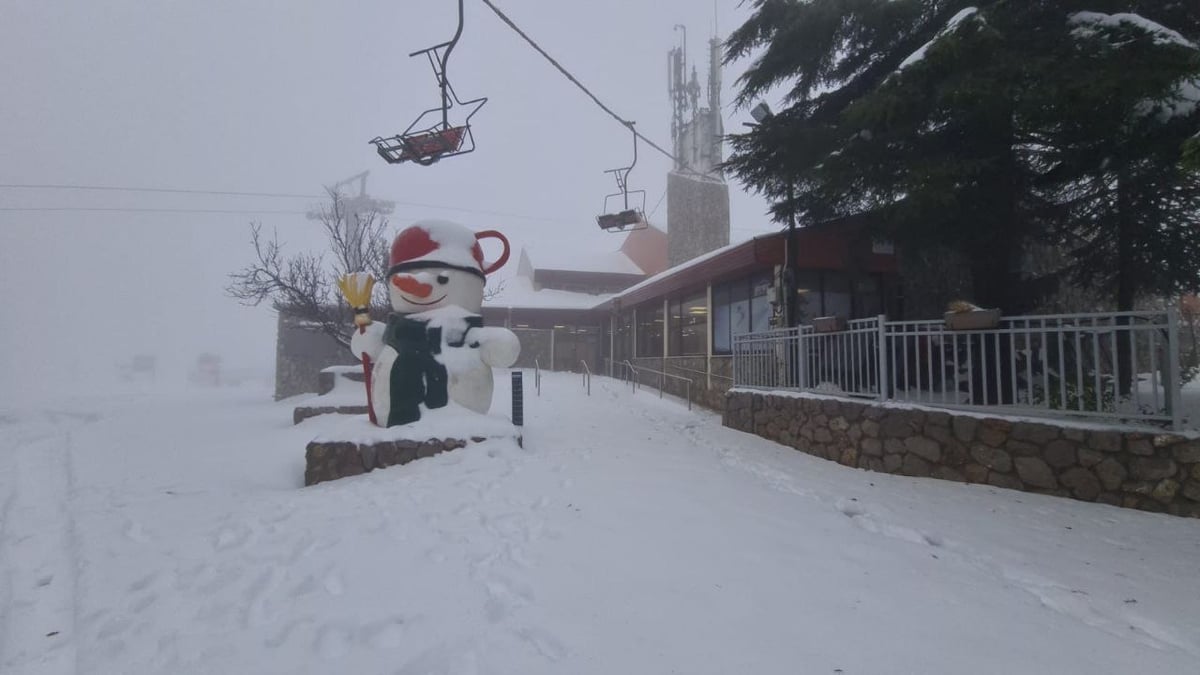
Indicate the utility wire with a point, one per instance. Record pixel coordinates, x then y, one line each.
26 209
576 82
113 188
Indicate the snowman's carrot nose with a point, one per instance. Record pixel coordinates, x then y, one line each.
410 285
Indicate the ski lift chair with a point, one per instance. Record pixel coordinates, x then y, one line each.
425 144
632 215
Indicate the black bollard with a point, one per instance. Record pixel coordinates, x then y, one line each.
518 405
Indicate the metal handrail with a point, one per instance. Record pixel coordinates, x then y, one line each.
537 377
661 376
587 377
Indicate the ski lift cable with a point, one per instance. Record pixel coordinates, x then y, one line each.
115 188
576 82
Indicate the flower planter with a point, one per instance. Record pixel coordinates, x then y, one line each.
829 324
980 319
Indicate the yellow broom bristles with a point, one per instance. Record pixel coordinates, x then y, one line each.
356 288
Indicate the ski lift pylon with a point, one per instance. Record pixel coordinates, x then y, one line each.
426 143
632 215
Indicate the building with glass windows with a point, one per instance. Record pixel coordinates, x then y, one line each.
682 320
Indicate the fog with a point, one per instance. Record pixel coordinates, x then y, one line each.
282 97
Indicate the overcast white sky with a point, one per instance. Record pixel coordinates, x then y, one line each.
282 96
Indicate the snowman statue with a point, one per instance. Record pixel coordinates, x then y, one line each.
434 349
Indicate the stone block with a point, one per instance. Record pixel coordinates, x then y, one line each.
896 426
1165 491
1038 434
1152 468
839 424
1111 473
822 435
955 454
1004 481
301 413
993 458
892 463
893 446
870 428
915 466
326 461
924 448
1035 472
872 447
975 473
1082 483
992 437
1060 454
942 435
1022 449
1191 490
937 419
1138 487
1089 457
947 473
964 428
1140 447
1104 441
1188 453
1076 435
849 457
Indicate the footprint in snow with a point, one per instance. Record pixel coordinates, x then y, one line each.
386 634
136 533
546 644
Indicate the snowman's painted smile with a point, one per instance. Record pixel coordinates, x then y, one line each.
414 302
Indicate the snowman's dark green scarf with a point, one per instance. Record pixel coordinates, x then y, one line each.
417 377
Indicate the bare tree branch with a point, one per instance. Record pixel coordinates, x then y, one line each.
304 284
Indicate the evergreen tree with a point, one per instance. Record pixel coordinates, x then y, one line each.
1114 119
962 125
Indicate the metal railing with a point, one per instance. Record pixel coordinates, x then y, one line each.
1121 367
632 374
537 377
843 362
587 377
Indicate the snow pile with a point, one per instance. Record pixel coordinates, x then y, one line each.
170 534
1089 24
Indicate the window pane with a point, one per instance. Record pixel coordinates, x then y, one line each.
837 295
650 330
693 325
760 303
721 341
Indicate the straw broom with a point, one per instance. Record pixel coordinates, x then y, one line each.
356 288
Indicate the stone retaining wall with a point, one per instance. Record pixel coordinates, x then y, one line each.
1148 471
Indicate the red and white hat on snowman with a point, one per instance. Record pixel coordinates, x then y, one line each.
443 244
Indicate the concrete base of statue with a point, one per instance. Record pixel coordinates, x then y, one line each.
351 445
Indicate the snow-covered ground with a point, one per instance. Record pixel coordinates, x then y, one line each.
168 533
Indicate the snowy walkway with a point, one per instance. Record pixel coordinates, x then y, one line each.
169 534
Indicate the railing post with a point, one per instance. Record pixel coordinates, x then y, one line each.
1174 386
881 347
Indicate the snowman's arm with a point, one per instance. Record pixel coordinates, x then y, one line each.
369 341
498 347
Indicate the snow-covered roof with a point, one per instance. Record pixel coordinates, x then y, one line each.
606 262
518 293
689 264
